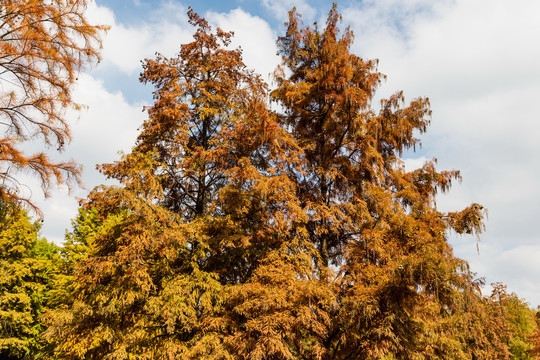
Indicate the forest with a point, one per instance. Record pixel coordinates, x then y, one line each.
250 220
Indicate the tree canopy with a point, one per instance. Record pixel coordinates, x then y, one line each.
252 223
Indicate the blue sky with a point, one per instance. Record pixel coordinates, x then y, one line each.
477 61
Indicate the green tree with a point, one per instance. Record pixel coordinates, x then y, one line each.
78 243
27 274
76 248
518 318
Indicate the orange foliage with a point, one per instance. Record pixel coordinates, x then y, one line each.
43 46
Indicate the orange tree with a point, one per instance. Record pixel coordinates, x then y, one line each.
242 233
382 245
43 46
203 199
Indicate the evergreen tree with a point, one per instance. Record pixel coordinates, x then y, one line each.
202 201
27 274
77 247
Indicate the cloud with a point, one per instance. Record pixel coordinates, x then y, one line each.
254 36
163 30
414 163
108 126
511 266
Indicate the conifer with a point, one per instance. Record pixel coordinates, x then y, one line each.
238 232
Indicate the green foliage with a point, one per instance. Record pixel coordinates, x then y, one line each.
76 248
27 274
79 241
519 319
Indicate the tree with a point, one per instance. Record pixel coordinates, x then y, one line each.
534 338
28 268
79 242
242 233
43 46
368 218
518 318
77 247
202 200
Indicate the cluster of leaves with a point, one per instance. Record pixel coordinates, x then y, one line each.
240 232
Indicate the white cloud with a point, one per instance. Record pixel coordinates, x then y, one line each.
414 163
516 267
125 46
254 36
108 126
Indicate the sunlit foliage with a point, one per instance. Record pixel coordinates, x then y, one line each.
27 276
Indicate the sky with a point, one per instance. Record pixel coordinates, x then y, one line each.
478 61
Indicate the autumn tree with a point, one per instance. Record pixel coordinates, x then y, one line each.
396 281
534 338
202 200
43 46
